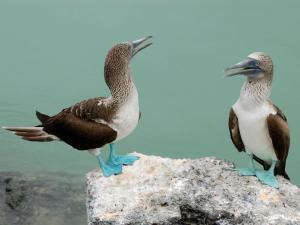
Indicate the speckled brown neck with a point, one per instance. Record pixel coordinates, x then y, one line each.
256 91
119 81
117 73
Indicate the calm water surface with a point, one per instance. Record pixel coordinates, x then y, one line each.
52 55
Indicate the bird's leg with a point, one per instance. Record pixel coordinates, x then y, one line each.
115 159
107 169
248 171
267 176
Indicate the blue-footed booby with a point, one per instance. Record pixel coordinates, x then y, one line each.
93 123
256 125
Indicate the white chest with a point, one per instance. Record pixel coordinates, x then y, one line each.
127 117
254 130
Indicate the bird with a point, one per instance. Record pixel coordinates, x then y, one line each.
96 122
257 126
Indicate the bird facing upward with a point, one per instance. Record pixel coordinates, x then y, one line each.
256 125
93 123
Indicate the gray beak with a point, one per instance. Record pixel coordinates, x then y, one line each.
248 67
137 45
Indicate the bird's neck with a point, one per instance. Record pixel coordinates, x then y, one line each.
255 92
121 88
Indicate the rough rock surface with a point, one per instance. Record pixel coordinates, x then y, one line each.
48 199
163 191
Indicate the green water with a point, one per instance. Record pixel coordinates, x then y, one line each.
52 54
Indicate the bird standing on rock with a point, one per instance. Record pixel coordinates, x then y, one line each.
93 123
256 125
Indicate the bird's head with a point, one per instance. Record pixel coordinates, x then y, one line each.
119 56
257 65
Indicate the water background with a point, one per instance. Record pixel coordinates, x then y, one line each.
52 55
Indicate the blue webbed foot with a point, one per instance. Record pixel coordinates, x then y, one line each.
267 177
107 169
115 159
247 171
122 159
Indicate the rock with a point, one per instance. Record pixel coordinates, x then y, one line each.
45 199
163 191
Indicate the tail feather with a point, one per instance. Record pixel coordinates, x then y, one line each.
42 117
31 133
281 171
27 134
24 129
285 175
40 138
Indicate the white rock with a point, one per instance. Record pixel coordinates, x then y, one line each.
167 191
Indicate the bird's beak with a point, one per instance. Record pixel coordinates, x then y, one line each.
248 67
137 45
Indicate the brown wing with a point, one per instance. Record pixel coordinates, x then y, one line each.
234 130
94 108
76 126
280 135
